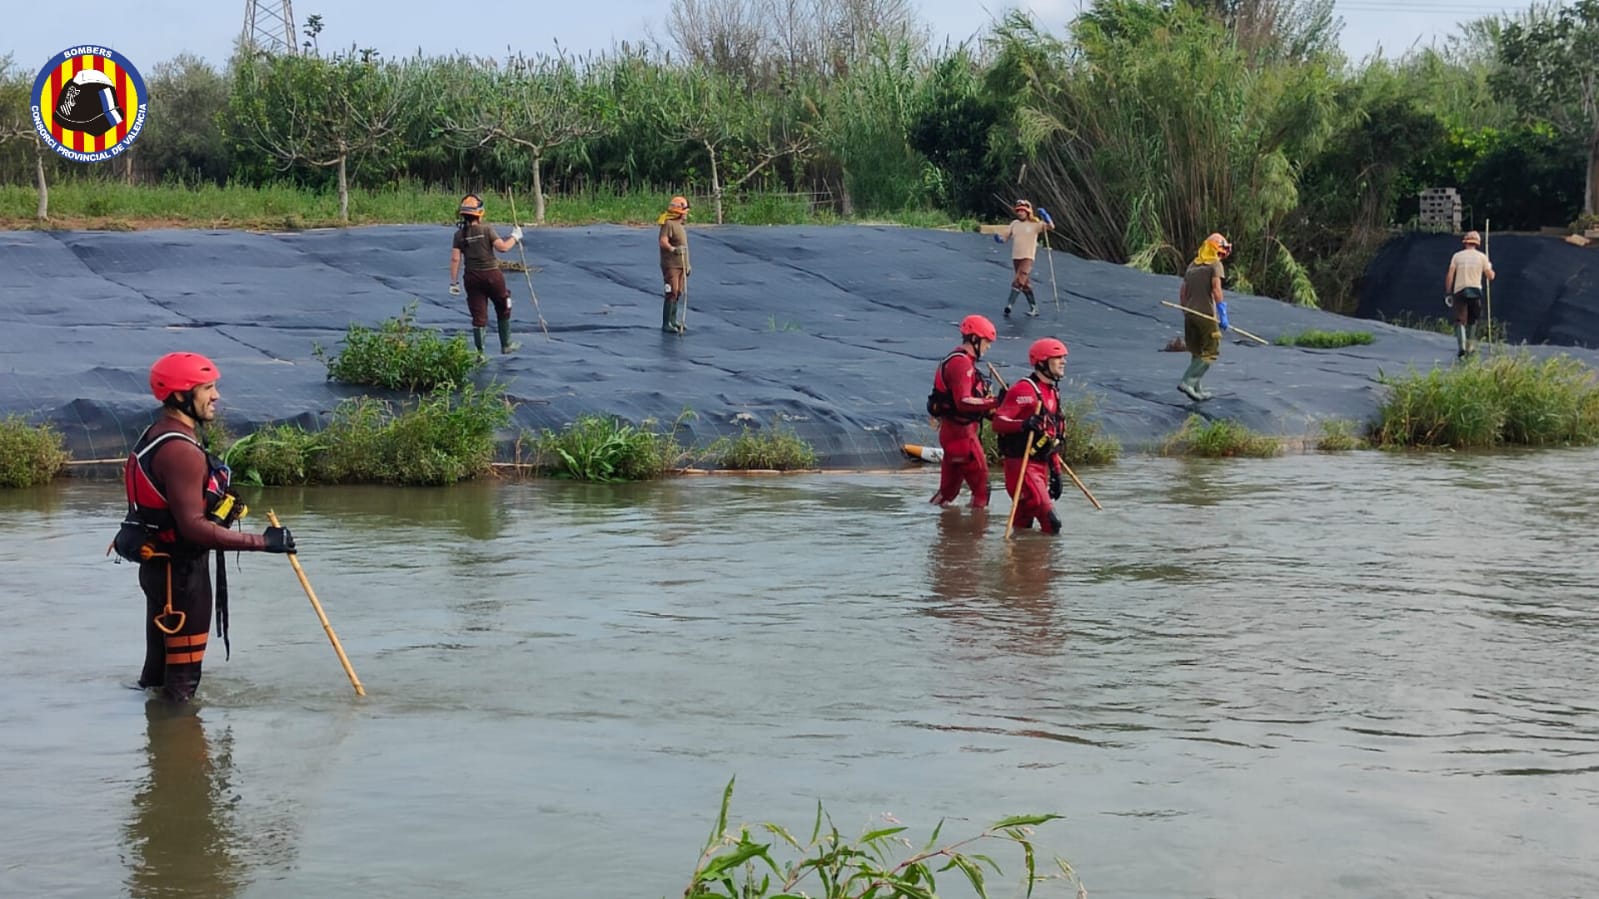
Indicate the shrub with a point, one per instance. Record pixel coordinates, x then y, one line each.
1325 340
1503 399
776 448
1215 439
1339 436
276 454
29 455
603 448
400 356
879 863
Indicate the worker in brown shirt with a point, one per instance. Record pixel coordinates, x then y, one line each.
675 267
1201 293
475 243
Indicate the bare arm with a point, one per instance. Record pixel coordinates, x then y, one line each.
455 264
1449 280
1215 289
504 244
180 467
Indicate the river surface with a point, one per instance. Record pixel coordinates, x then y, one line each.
1334 676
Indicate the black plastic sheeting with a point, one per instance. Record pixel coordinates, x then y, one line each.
1546 290
832 331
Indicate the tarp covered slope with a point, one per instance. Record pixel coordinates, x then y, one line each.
1546 290
833 331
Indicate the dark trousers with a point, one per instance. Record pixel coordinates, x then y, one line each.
172 661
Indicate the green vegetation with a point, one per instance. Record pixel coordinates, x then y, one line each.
1487 332
400 356
1505 399
1339 436
776 448
29 455
603 448
441 439
1325 340
735 864
1217 439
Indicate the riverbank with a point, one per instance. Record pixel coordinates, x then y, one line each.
829 331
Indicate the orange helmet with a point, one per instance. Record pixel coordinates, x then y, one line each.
179 372
978 326
678 204
1224 247
1045 349
1024 205
1472 239
471 205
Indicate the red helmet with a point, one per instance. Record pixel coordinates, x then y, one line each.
1045 348
177 372
977 326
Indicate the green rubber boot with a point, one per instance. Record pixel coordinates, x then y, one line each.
477 338
1199 389
506 346
669 316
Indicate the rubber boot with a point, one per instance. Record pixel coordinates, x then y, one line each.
1189 385
669 315
1010 301
477 338
1050 525
1460 341
506 346
1199 389
1032 304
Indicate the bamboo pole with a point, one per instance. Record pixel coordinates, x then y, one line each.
1487 282
294 559
1021 481
526 272
1211 318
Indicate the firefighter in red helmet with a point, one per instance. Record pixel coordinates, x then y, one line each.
180 507
1030 413
960 401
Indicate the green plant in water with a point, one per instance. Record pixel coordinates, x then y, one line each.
1083 441
1325 340
777 448
879 864
1339 436
29 455
276 454
1217 439
400 356
602 448
1509 398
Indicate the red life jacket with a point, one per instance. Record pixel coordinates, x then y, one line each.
942 403
1014 446
149 519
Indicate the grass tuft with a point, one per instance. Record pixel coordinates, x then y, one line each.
604 448
1325 340
777 448
1505 399
1339 436
400 356
1219 439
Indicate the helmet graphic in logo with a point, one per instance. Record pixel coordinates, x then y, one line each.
88 103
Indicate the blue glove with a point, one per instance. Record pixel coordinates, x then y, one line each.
1044 214
1221 315
999 238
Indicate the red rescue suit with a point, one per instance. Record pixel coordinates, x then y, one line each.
1028 397
962 401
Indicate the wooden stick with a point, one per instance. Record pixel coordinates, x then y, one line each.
1073 475
294 559
1051 257
1021 481
511 195
1211 318
1487 282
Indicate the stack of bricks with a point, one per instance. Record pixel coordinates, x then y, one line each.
1440 209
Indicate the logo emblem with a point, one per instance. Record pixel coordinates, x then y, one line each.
89 104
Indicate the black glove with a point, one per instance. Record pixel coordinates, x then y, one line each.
1035 424
279 540
999 397
1054 485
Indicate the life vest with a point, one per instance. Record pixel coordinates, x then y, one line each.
941 402
1014 446
149 528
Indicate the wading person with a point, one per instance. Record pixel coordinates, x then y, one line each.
1023 236
1463 290
675 268
960 401
475 244
1030 416
1201 292
180 507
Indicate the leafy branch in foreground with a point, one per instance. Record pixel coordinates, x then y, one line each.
735 865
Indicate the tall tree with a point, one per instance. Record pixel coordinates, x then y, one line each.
537 104
1550 67
16 125
322 112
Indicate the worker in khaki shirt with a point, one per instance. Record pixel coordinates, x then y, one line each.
1023 234
1464 286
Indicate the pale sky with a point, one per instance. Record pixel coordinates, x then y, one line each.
150 31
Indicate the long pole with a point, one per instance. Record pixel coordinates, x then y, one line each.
1021 481
511 195
1048 254
1211 318
1487 283
294 559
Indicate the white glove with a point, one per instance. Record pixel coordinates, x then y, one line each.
516 233
455 289
681 251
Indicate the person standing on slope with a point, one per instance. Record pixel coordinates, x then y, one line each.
475 244
1201 292
1023 235
1469 272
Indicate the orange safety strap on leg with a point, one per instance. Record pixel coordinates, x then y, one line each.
193 643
